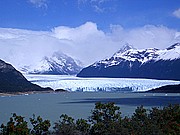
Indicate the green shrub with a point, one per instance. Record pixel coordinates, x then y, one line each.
105 118
15 126
40 126
65 126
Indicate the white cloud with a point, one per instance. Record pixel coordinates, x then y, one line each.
98 9
39 3
98 5
86 42
100 1
176 13
145 37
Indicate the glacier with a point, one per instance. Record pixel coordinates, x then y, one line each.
72 83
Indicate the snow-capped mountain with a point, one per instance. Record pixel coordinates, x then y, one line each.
138 63
58 63
128 53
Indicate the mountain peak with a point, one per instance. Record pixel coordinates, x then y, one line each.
57 63
124 49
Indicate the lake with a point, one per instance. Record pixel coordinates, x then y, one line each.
78 104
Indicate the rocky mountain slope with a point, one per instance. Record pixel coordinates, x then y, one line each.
167 89
12 80
58 63
129 62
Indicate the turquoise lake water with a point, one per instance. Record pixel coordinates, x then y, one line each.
78 104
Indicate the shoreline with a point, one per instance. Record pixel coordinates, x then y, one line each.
65 91
29 93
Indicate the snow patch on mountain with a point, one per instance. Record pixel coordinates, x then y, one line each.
58 63
170 53
128 53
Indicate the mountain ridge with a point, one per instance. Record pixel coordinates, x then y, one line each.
138 63
166 89
12 80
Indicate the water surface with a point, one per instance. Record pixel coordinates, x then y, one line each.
78 104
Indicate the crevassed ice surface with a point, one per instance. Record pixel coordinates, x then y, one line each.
73 83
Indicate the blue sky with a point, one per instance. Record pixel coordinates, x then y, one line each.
87 30
47 14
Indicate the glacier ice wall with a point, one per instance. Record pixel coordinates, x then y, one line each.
72 83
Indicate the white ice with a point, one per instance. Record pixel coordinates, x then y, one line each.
73 83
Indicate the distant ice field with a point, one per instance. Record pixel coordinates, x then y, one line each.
72 83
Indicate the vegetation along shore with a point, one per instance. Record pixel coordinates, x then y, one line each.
105 119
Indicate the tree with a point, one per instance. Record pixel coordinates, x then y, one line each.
105 118
167 119
82 126
16 126
65 126
142 124
40 126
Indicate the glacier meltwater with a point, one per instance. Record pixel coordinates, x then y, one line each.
72 83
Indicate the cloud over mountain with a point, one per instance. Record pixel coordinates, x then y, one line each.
86 42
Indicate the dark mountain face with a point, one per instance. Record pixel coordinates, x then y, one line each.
12 80
167 89
132 63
